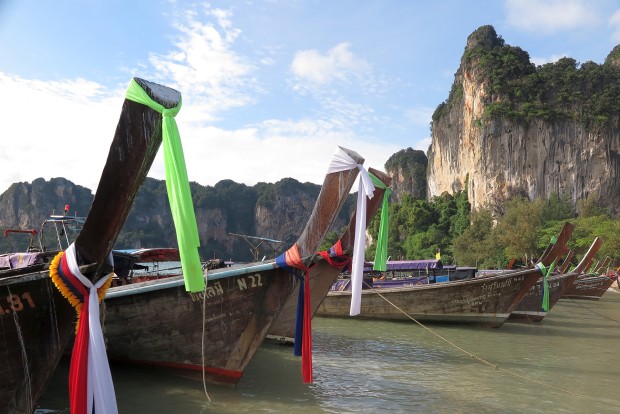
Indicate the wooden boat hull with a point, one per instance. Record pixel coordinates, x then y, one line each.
216 333
323 277
589 287
34 338
159 323
36 323
530 308
486 301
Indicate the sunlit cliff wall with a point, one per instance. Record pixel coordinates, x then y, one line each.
513 128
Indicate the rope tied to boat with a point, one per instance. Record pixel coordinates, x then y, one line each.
90 380
496 367
592 311
177 185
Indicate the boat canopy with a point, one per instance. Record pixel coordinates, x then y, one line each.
408 265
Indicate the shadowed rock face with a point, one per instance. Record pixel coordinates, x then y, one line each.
276 211
408 171
534 156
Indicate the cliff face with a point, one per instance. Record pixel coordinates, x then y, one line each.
527 130
26 205
276 211
408 171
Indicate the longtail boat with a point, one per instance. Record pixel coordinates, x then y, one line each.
327 267
531 307
215 333
37 321
486 301
590 286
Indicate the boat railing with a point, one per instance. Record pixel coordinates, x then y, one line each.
64 230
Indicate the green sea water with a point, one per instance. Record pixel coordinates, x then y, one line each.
568 363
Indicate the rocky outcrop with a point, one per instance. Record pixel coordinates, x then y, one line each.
512 128
26 205
408 171
277 211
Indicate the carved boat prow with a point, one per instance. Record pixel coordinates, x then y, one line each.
40 322
237 308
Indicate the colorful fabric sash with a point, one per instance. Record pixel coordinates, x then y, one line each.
90 380
291 259
335 256
342 162
382 237
546 273
177 185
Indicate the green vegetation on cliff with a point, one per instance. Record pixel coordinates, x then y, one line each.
411 167
520 91
419 229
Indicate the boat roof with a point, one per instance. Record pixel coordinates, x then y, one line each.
56 217
408 264
150 254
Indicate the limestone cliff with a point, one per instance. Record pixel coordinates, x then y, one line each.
514 128
408 171
276 211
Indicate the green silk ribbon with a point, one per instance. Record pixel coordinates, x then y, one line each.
382 239
546 272
177 185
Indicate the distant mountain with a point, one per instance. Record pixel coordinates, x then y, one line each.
277 211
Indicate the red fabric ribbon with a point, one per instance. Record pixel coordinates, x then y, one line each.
293 259
335 256
78 372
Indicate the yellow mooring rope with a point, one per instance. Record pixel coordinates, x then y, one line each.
479 359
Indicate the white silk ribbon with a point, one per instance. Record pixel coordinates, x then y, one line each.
342 162
99 376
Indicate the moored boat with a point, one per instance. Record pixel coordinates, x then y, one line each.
328 266
531 307
37 321
591 287
590 284
215 333
487 301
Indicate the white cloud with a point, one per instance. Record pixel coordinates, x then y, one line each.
204 65
64 128
420 115
56 129
339 64
551 16
548 59
614 22
272 150
423 144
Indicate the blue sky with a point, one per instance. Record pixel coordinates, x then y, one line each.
269 88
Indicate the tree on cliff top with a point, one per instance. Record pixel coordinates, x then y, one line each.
520 91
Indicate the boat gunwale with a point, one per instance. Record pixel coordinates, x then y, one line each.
440 285
175 281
